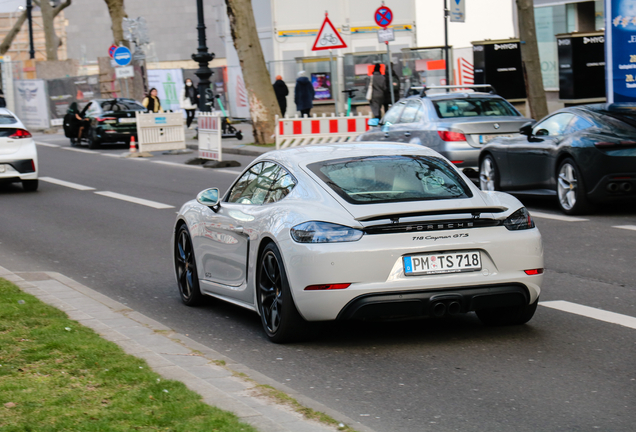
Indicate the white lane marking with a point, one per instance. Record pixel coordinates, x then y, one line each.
111 155
135 200
556 217
47 144
66 184
79 150
181 165
590 312
627 227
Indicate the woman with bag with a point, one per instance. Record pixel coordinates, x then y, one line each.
375 92
189 101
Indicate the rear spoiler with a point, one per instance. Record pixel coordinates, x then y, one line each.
395 217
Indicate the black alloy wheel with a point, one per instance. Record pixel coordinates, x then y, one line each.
505 316
93 141
279 316
186 268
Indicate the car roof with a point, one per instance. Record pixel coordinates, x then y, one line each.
461 95
306 155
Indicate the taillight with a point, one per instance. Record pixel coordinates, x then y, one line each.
101 119
327 287
604 144
20 133
519 220
534 272
457 162
451 136
32 165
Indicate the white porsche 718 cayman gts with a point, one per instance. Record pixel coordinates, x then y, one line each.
358 231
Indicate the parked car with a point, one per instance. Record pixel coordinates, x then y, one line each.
454 124
583 155
112 121
18 153
356 231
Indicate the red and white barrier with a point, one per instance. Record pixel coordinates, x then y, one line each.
296 131
210 129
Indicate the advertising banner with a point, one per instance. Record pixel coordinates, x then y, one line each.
31 104
63 91
322 85
169 83
620 50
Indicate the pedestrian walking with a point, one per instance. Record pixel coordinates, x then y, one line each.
281 90
375 91
395 86
151 101
304 94
189 101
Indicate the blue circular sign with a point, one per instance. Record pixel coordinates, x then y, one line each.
122 56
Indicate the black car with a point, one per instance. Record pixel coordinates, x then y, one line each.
584 155
112 121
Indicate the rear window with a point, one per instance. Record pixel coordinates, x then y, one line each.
473 107
618 121
114 106
385 179
7 119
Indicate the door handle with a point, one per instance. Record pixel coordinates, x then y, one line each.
236 229
407 134
386 134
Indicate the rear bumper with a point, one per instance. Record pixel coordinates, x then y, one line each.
115 135
614 187
413 304
18 170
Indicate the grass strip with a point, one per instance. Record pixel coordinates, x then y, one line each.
57 375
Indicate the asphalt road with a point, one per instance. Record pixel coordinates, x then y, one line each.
563 371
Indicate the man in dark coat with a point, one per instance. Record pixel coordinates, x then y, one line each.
281 90
304 94
396 88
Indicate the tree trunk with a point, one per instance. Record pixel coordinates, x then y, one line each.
530 60
263 104
117 14
8 39
50 38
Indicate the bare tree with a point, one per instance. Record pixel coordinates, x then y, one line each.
117 13
49 13
263 104
8 39
530 60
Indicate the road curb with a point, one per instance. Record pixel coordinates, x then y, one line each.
237 151
216 377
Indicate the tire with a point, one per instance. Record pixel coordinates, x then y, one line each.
281 321
571 192
30 185
505 316
239 135
488 174
93 141
75 142
185 266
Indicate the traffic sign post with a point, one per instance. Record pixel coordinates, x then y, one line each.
329 38
384 17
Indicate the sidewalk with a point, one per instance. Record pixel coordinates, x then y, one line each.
221 382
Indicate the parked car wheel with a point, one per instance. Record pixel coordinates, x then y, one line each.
279 316
504 316
488 174
571 190
93 141
186 268
30 185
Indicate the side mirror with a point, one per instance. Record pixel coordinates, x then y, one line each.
374 122
209 197
543 132
526 129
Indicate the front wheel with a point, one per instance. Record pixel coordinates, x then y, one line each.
505 316
186 268
239 135
571 190
279 316
488 174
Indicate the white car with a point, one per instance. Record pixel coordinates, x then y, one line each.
18 154
358 231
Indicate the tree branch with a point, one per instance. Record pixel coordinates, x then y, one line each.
61 7
8 39
37 3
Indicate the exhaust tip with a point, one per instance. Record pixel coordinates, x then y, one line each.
438 309
454 308
612 187
626 187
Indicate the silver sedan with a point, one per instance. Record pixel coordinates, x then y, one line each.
357 231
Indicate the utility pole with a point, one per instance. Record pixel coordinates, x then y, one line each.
446 61
203 57
29 7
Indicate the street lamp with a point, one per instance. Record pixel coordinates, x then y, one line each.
203 57
29 7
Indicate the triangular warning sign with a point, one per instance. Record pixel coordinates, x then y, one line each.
328 37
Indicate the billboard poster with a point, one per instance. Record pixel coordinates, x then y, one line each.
322 85
169 83
620 50
31 104
63 91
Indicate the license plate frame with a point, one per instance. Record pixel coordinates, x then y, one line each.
485 139
126 120
414 264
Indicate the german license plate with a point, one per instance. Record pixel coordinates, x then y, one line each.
483 139
455 262
127 120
